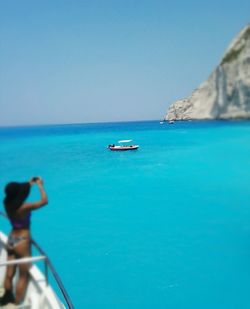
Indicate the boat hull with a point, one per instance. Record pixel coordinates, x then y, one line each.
123 148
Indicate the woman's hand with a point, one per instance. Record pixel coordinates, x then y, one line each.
36 180
39 181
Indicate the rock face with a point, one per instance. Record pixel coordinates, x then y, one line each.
226 93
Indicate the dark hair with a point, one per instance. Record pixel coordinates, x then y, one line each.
16 193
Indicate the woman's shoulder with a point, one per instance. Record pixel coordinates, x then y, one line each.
23 211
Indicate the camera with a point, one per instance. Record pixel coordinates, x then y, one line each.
35 179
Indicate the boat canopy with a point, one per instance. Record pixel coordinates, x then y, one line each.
125 141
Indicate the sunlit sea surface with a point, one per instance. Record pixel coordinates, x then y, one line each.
167 226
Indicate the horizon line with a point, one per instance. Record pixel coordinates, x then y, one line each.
72 123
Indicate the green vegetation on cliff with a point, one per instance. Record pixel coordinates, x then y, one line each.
234 53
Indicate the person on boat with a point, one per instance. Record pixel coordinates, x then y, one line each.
18 246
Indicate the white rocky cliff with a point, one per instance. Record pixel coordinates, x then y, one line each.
226 93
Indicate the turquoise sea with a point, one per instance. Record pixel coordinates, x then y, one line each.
167 226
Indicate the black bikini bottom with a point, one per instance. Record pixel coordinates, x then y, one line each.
13 241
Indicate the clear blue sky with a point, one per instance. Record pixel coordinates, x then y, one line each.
65 61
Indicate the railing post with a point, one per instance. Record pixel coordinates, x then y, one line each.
46 271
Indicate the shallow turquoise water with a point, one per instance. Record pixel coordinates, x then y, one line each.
167 226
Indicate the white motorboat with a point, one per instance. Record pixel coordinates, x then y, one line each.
123 146
40 294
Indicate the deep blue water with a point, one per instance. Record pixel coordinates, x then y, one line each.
167 226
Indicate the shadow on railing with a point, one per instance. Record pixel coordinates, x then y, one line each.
49 265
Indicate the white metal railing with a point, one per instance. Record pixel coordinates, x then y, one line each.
23 260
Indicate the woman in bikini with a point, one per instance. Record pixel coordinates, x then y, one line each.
19 213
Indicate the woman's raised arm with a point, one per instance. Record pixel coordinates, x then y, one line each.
35 205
